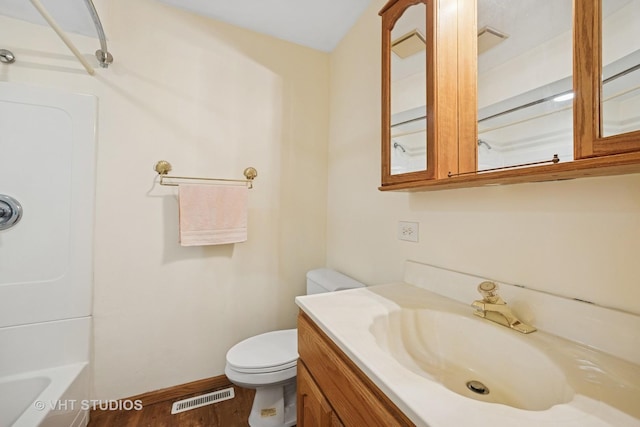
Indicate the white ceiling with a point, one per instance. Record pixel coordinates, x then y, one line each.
319 24
72 15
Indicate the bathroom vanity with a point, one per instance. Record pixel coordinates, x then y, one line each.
414 354
333 391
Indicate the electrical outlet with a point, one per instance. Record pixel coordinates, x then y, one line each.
408 231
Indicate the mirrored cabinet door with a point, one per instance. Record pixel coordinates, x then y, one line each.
406 94
607 67
408 97
525 82
620 97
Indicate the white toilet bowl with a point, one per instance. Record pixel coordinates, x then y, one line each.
267 363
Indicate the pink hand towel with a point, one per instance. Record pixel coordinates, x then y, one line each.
212 214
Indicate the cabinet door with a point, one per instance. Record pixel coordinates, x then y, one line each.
419 129
354 398
313 408
607 68
335 421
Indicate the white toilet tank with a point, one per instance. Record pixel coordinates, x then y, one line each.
326 280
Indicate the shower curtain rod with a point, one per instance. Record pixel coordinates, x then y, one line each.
54 25
104 57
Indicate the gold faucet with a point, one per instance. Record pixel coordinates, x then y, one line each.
493 307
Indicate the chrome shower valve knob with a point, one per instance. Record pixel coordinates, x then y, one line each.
10 212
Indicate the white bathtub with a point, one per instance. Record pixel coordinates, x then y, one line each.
44 374
54 397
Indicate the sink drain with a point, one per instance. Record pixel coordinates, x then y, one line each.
477 387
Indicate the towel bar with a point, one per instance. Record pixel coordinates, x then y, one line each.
163 168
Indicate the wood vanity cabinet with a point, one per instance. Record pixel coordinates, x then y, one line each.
333 391
314 409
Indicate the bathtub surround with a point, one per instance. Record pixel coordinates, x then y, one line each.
213 99
46 260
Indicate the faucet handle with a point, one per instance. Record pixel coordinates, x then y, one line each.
489 291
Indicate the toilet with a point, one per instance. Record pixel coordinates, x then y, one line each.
267 362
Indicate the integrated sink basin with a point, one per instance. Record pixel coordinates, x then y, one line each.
472 357
421 345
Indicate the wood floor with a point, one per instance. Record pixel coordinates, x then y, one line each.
156 411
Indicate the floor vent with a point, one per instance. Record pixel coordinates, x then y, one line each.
202 400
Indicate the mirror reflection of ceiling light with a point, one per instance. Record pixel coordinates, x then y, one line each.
409 44
563 97
488 38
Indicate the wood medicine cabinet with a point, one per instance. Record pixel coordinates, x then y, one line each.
478 92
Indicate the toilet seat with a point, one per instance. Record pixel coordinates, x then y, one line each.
265 353
268 363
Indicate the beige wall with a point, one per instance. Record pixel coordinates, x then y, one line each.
578 238
212 99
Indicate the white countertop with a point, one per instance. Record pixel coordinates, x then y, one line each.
348 318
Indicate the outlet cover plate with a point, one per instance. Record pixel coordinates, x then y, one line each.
408 231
